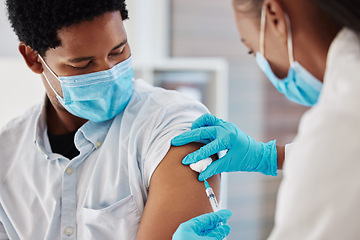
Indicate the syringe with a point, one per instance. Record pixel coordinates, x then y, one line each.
211 195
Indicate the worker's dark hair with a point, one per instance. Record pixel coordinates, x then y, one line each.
250 6
37 22
346 13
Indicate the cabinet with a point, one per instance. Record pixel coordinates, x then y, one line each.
205 79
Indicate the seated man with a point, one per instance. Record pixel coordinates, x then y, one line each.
94 161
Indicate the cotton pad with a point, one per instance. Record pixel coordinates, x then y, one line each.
201 165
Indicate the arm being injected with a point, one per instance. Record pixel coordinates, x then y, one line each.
209 225
199 167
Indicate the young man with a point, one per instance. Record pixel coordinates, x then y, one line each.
83 164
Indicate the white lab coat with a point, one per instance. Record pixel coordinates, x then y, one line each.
319 197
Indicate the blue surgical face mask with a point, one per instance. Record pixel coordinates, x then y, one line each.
98 96
300 85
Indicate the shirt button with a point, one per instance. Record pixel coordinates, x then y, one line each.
69 171
98 144
69 231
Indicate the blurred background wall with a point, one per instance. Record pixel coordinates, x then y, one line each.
19 88
191 29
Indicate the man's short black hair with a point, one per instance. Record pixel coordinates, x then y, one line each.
37 22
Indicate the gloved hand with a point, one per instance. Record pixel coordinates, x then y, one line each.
244 153
205 227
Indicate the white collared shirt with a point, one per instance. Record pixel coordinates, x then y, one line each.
99 194
319 197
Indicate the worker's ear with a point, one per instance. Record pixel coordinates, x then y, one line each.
31 58
275 19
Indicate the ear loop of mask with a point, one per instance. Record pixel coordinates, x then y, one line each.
262 30
48 68
289 35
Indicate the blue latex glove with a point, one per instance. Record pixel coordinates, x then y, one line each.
244 153
205 227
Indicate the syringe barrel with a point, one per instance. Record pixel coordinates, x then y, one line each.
214 203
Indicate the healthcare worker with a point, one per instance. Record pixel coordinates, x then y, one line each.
304 48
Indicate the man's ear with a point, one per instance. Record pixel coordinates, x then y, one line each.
276 18
31 58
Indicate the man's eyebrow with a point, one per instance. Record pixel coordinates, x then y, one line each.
120 45
82 59
242 40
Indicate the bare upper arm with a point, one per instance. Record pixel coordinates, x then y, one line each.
175 196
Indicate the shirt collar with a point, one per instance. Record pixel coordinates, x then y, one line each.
40 131
93 132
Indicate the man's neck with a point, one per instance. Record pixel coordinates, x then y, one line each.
61 121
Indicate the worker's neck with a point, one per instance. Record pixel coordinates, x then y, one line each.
312 40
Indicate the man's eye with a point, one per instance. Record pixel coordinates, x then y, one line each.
250 52
119 52
115 54
79 68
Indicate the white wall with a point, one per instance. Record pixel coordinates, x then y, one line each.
8 40
148 29
19 87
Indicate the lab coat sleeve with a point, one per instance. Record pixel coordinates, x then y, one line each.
320 193
3 235
288 148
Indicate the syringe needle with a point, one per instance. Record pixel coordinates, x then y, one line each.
211 195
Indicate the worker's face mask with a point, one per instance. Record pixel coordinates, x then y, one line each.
98 96
299 86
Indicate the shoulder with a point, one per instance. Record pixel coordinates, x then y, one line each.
17 134
153 117
20 123
157 108
340 93
342 74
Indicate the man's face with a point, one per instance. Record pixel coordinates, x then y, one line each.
87 47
